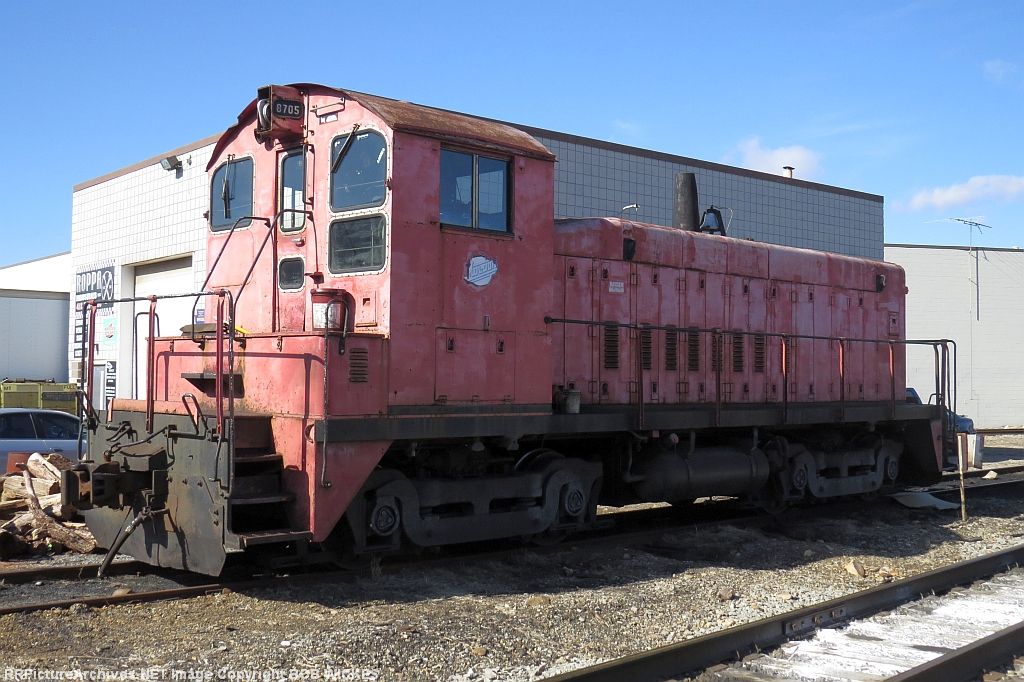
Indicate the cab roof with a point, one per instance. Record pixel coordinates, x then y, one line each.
418 119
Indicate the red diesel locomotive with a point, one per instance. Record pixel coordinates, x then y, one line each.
402 347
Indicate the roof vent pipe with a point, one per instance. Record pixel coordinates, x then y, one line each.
787 171
687 215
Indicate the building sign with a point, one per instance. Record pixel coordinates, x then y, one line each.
109 381
97 284
106 334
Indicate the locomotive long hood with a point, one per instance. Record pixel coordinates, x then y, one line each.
413 118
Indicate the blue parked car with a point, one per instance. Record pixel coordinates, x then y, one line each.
35 430
957 422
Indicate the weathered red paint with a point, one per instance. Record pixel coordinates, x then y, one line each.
428 338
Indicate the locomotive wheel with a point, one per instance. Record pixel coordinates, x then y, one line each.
573 501
537 459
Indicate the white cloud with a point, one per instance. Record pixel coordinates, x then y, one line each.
1005 187
754 155
627 127
998 71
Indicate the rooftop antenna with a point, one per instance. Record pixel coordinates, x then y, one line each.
971 224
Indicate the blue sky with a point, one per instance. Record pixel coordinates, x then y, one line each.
919 101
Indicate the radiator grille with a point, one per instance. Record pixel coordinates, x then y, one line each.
760 344
737 352
646 348
611 347
693 351
358 365
671 350
716 353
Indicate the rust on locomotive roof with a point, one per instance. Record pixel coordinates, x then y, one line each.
420 120
424 120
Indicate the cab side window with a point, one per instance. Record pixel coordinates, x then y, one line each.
474 191
231 195
359 170
356 245
291 203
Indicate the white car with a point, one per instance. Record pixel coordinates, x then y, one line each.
34 430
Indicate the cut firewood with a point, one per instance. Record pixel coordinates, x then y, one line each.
42 469
76 540
61 512
60 462
15 487
13 505
20 524
22 504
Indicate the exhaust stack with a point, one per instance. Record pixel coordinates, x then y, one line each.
687 215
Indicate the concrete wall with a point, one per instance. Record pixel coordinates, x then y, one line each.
986 322
33 344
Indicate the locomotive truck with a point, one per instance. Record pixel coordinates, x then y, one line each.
401 347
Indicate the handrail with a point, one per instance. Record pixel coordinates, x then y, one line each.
216 261
92 305
324 480
945 377
135 350
271 231
222 294
151 366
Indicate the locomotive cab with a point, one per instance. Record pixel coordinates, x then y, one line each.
371 265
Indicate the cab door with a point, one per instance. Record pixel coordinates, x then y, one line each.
290 239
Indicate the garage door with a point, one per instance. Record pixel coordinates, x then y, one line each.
159 279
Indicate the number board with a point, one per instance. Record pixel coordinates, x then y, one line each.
286 108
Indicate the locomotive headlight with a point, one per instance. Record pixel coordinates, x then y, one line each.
280 111
263 115
329 311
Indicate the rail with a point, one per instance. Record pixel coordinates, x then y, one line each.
944 351
702 652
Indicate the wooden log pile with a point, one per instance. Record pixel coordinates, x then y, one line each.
32 517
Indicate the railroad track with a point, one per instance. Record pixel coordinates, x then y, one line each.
629 528
920 642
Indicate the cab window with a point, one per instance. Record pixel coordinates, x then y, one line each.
293 192
356 245
290 274
231 195
474 191
359 170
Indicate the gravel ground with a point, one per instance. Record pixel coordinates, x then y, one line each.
525 617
